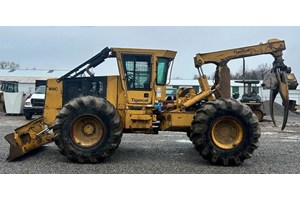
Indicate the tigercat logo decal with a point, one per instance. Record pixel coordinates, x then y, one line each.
139 100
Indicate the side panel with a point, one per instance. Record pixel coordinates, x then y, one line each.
112 90
53 101
138 119
121 99
176 121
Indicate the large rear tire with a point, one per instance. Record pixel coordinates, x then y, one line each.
225 132
88 129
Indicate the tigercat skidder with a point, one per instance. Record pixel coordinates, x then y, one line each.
89 114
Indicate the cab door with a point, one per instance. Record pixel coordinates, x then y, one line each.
138 78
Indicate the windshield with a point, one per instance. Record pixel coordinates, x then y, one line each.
40 90
138 71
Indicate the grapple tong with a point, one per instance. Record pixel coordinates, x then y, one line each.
280 80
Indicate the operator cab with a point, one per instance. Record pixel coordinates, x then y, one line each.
143 74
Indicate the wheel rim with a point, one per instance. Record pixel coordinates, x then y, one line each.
87 131
227 133
258 114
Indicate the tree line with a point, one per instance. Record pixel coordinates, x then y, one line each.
257 73
9 65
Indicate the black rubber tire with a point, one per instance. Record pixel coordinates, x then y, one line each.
202 127
79 107
188 133
28 116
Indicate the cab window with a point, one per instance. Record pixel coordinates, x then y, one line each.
137 69
162 71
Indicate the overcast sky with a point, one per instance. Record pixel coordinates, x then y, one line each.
67 47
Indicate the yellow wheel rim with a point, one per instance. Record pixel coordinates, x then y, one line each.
87 131
227 133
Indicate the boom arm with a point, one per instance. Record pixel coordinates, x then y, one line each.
277 80
221 58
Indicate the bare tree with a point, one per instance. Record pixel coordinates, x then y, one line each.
9 65
254 74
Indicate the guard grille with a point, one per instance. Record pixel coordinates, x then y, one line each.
37 102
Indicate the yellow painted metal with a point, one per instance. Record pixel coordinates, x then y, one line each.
139 111
192 97
134 121
112 90
138 119
203 82
183 95
138 97
197 98
176 120
272 46
87 131
53 101
28 137
156 52
227 132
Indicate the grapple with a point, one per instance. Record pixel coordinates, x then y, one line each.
280 80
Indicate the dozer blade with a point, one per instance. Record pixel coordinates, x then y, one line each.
28 137
14 150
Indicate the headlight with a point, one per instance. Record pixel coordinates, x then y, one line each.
28 104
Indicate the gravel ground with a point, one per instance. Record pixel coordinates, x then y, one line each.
166 153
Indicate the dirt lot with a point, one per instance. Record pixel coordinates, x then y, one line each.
166 153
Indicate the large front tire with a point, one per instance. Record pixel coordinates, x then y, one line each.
88 129
225 132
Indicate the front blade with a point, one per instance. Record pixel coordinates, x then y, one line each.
14 151
28 137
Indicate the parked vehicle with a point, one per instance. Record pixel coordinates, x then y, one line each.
34 104
7 86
